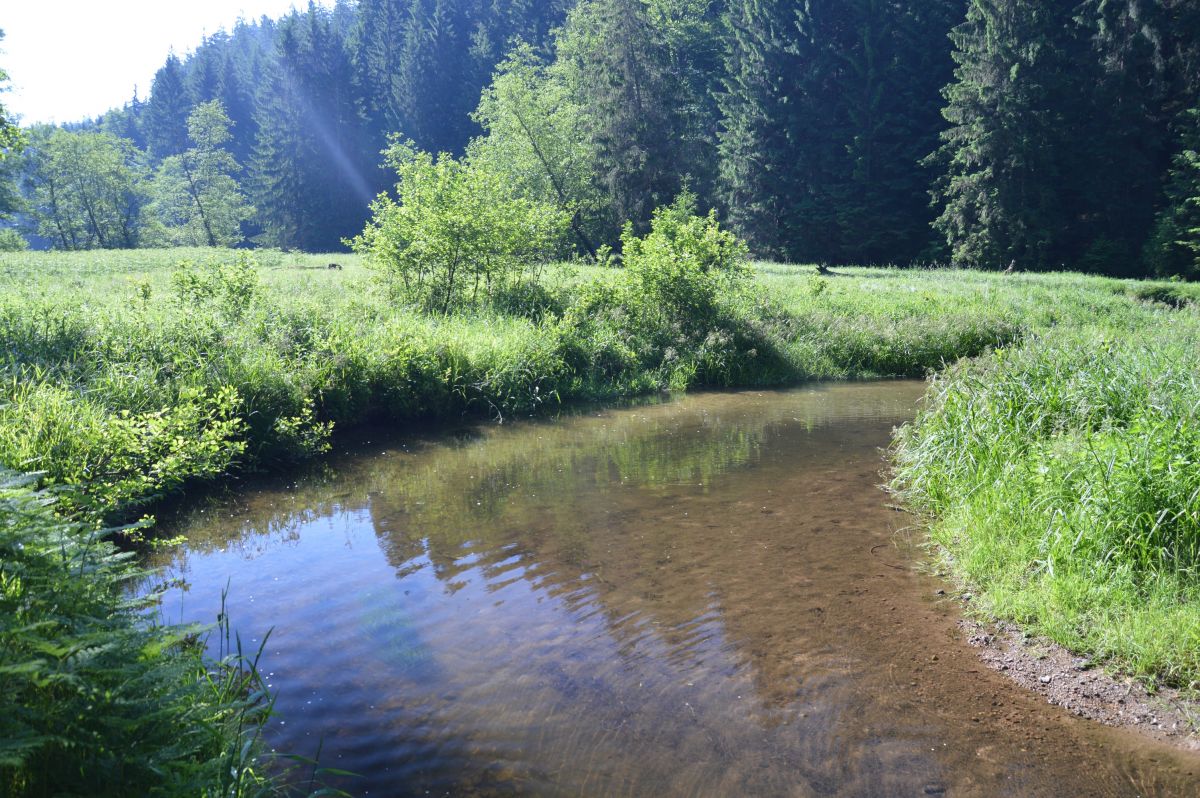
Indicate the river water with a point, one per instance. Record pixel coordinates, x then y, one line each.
704 597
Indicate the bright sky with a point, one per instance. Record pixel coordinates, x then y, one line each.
71 59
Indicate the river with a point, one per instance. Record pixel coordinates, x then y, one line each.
708 596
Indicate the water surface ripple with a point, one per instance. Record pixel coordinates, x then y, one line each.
706 597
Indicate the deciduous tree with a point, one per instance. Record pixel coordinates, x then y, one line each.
455 234
88 189
11 141
197 201
535 135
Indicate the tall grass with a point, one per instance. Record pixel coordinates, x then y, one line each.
1063 480
126 375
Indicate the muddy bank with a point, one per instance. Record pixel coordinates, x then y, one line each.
1082 688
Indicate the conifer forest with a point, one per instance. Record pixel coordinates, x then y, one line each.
981 134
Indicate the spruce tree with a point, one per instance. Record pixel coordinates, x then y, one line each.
377 47
432 98
167 111
1009 192
1123 138
127 122
203 69
895 61
829 108
760 123
617 67
1174 246
307 168
236 82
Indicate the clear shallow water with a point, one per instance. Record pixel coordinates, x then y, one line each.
706 597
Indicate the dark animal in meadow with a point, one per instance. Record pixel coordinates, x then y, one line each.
334 266
823 269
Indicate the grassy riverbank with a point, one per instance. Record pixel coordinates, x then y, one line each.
1062 481
128 376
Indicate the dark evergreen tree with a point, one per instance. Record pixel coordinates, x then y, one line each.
1178 30
377 42
1012 159
435 70
761 121
618 66
203 69
694 33
127 122
248 58
167 111
1174 246
1123 126
896 59
422 64
235 90
307 167
829 108
277 182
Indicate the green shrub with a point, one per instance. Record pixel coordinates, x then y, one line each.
679 313
228 285
456 235
685 265
12 241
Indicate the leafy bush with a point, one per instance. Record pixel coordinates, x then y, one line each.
456 235
686 263
230 286
12 241
679 315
